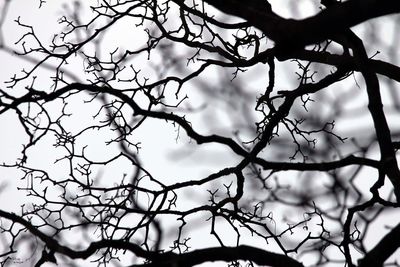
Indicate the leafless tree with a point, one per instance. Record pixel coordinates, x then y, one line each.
280 134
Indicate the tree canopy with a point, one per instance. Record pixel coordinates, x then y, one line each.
177 133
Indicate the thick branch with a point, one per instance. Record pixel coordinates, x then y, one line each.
383 250
375 106
226 254
322 166
327 23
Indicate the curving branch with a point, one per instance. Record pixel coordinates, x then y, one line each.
291 34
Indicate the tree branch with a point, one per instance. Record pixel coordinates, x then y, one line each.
290 33
383 250
226 254
321 166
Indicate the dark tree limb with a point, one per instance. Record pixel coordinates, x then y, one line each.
226 254
318 166
298 33
375 106
382 250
